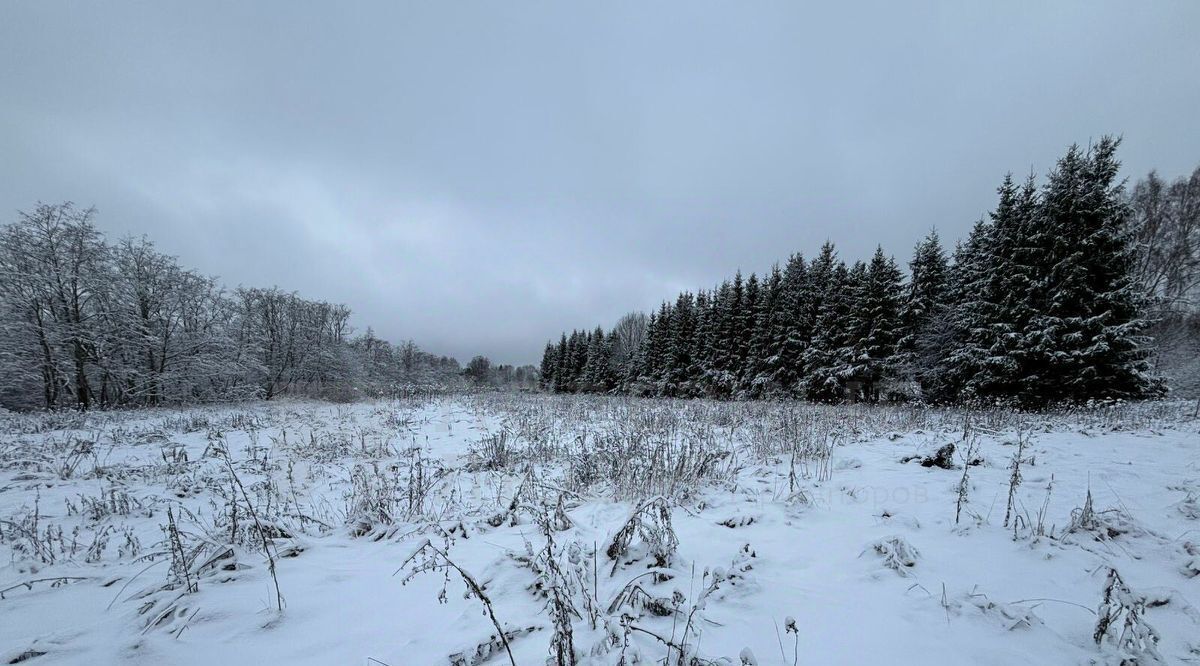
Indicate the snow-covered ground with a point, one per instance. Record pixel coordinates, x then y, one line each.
634 530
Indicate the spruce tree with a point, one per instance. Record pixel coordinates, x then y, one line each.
567 372
1083 339
733 336
548 368
657 337
819 281
996 301
793 331
928 282
875 325
961 358
596 371
678 379
1004 295
924 312
561 378
581 354
747 318
723 340
826 358
702 344
763 360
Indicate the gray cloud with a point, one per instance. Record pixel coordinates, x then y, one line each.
480 176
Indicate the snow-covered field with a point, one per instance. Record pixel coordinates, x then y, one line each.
626 531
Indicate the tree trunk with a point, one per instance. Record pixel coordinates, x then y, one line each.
82 390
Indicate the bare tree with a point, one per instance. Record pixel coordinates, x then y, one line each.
1166 226
84 323
629 333
56 260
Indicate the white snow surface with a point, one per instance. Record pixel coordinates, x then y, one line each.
802 536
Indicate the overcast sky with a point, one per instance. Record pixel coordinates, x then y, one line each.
478 176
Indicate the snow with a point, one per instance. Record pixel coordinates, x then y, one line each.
853 558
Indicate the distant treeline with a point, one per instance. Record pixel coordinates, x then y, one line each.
482 373
1049 300
89 323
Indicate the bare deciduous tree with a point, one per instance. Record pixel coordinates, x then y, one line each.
86 323
1166 226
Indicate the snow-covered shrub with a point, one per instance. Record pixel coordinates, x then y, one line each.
897 554
1102 525
1121 621
651 522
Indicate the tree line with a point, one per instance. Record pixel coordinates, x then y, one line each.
89 323
482 373
1051 298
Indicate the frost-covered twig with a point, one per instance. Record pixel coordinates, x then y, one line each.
441 560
